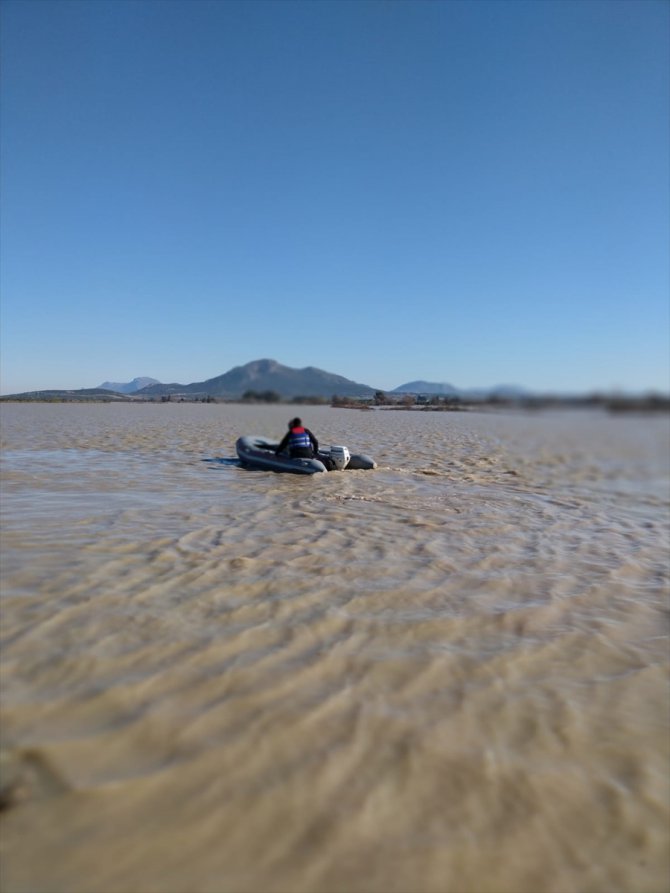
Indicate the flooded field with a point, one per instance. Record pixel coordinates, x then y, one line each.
446 675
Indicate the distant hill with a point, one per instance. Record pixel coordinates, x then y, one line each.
129 387
266 375
509 392
442 389
83 395
425 387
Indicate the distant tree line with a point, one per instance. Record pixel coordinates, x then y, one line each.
180 398
651 402
274 397
261 397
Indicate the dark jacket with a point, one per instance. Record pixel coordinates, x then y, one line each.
300 442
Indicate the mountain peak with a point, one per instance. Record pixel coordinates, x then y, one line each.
268 375
262 367
129 387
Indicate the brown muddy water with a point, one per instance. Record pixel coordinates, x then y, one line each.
447 675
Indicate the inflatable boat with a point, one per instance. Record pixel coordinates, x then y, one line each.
256 452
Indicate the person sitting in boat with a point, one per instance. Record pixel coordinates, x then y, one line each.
299 441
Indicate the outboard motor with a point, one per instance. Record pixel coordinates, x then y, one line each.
340 456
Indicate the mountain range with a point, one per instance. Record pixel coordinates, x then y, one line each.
262 377
269 375
269 380
129 387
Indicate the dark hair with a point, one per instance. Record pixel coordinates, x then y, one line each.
295 423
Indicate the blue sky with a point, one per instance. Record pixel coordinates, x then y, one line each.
466 192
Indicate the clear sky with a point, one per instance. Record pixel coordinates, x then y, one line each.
467 192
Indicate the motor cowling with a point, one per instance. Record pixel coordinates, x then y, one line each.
340 457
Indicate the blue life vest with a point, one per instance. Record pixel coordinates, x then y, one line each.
299 439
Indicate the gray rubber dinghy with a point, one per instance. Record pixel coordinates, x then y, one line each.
256 452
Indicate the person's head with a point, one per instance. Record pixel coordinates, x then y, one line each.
295 423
